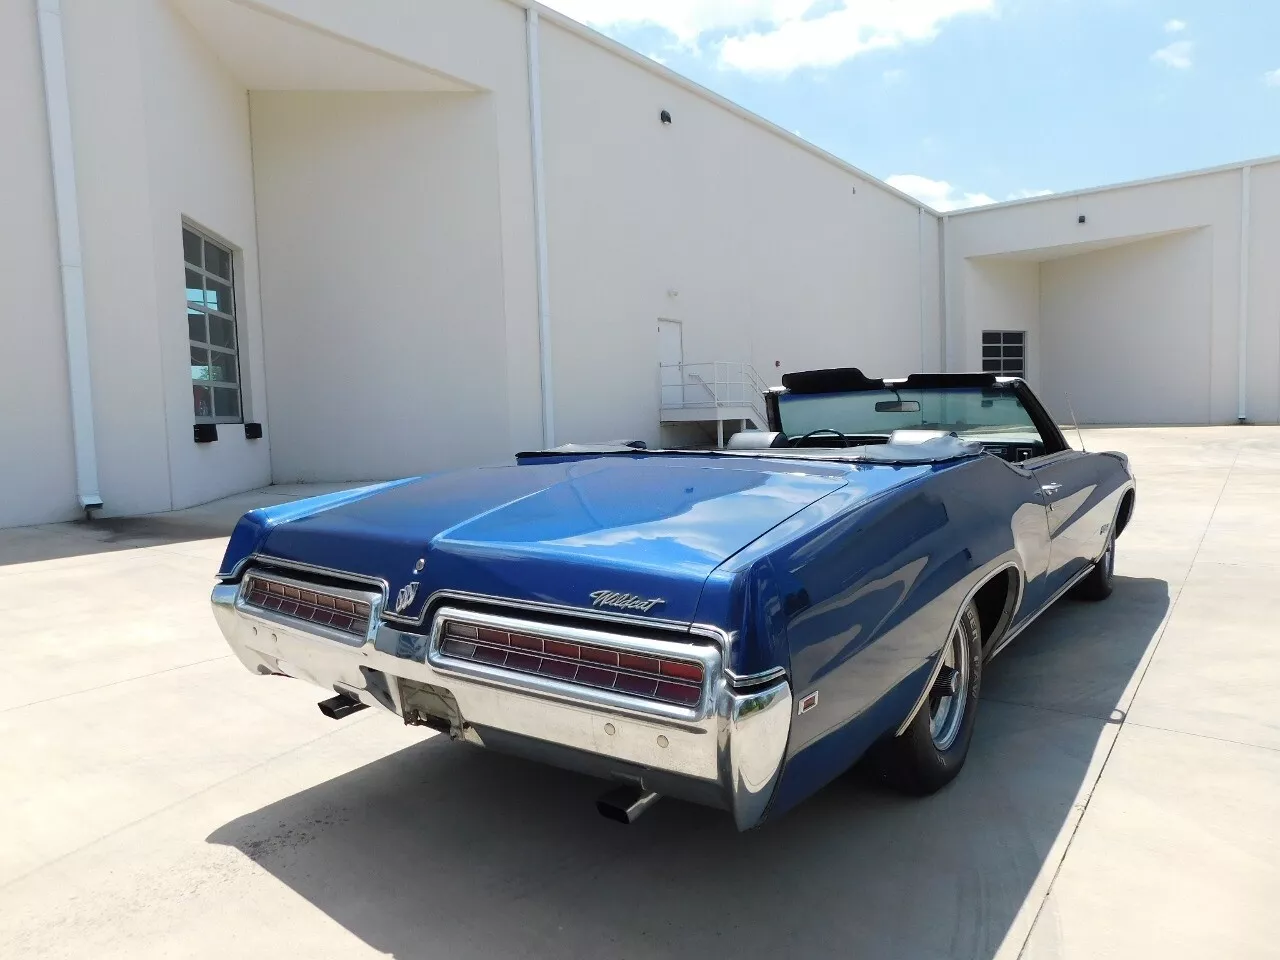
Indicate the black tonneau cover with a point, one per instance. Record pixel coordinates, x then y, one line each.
853 380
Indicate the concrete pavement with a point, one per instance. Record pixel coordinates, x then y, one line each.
1121 798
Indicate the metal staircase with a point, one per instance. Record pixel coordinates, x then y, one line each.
713 392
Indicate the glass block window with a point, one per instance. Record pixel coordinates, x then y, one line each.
211 326
1004 353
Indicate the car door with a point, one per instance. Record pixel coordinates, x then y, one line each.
1068 487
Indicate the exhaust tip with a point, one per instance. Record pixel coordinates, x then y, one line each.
335 708
626 804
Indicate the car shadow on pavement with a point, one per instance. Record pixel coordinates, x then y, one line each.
451 851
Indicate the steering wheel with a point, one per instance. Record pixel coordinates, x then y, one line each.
796 441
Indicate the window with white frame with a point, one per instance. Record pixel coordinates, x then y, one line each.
211 326
1004 352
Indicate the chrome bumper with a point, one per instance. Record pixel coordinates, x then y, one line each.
726 752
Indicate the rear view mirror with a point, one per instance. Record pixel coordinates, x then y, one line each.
898 406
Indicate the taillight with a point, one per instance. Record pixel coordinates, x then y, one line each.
649 676
314 606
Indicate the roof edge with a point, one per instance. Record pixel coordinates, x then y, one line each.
1122 185
666 73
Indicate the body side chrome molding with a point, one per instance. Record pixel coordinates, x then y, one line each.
1013 633
955 624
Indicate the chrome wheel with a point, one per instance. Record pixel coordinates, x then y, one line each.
950 691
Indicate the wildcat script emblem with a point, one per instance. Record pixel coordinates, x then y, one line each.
608 599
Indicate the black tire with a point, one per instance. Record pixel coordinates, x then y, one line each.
914 762
1100 581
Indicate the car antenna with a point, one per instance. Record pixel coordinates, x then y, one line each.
1076 423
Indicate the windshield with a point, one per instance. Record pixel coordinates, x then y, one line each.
977 413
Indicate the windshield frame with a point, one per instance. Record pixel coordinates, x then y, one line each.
1051 436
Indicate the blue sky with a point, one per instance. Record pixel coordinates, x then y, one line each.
966 101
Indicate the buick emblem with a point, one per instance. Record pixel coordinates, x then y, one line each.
405 596
613 600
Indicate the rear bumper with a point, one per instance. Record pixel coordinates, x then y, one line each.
725 752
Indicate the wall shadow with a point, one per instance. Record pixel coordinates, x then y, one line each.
451 851
62 541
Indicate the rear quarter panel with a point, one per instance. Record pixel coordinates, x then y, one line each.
880 586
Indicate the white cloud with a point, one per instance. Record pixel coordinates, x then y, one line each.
1028 194
936 193
843 34
778 36
687 19
1175 26
1272 78
1176 54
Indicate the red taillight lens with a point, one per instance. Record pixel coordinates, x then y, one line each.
640 675
682 671
314 606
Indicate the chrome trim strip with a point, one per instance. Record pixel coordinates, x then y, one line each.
1009 637
754 730
1047 459
751 679
267 560
955 623
707 656
536 606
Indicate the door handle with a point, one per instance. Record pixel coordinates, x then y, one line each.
1049 491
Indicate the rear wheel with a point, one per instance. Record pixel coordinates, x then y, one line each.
1098 584
931 751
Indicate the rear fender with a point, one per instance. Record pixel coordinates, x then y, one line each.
885 585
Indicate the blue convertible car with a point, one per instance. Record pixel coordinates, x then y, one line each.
734 627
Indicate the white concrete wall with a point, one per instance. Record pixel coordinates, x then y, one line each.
1171 304
36 462
381 244
771 253
481 43
201 167
1005 295
161 132
1126 332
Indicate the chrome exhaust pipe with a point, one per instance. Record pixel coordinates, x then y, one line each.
335 708
625 804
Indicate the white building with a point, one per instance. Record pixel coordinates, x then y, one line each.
409 235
